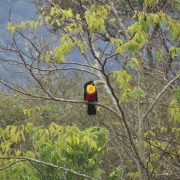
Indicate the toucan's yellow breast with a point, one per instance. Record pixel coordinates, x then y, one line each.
91 89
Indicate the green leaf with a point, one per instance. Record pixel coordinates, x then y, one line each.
13 29
178 50
132 46
31 24
156 18
122 77
134 28
144 26
47 19
96 18
67 14
133 175
176 95
150 20
130 94
133 63
112 20
115 175
47 57
58 23
158 55
23 25
137 92
172 51
9 25
174 110
148 2
36 24
78 17
53 11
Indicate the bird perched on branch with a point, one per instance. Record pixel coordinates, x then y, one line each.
90 95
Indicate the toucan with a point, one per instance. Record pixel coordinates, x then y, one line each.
90 95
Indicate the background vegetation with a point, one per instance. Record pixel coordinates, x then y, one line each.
50 50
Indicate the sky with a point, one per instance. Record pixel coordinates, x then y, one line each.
16 11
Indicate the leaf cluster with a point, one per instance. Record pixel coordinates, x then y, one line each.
69 147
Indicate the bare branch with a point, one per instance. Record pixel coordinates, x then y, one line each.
158 96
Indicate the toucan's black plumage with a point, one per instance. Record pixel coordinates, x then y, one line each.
90 95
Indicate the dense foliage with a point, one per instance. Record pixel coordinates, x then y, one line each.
66 150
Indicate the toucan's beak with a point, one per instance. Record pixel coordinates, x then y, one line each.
99 82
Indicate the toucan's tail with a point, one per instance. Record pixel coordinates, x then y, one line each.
91 109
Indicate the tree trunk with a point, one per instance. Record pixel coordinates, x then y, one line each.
141 110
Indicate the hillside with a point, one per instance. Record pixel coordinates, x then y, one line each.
18 10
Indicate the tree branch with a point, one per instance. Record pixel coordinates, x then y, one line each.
119 23
15 162
158 96
50 97
20 159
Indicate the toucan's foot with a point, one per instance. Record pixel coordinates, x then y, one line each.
95 102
